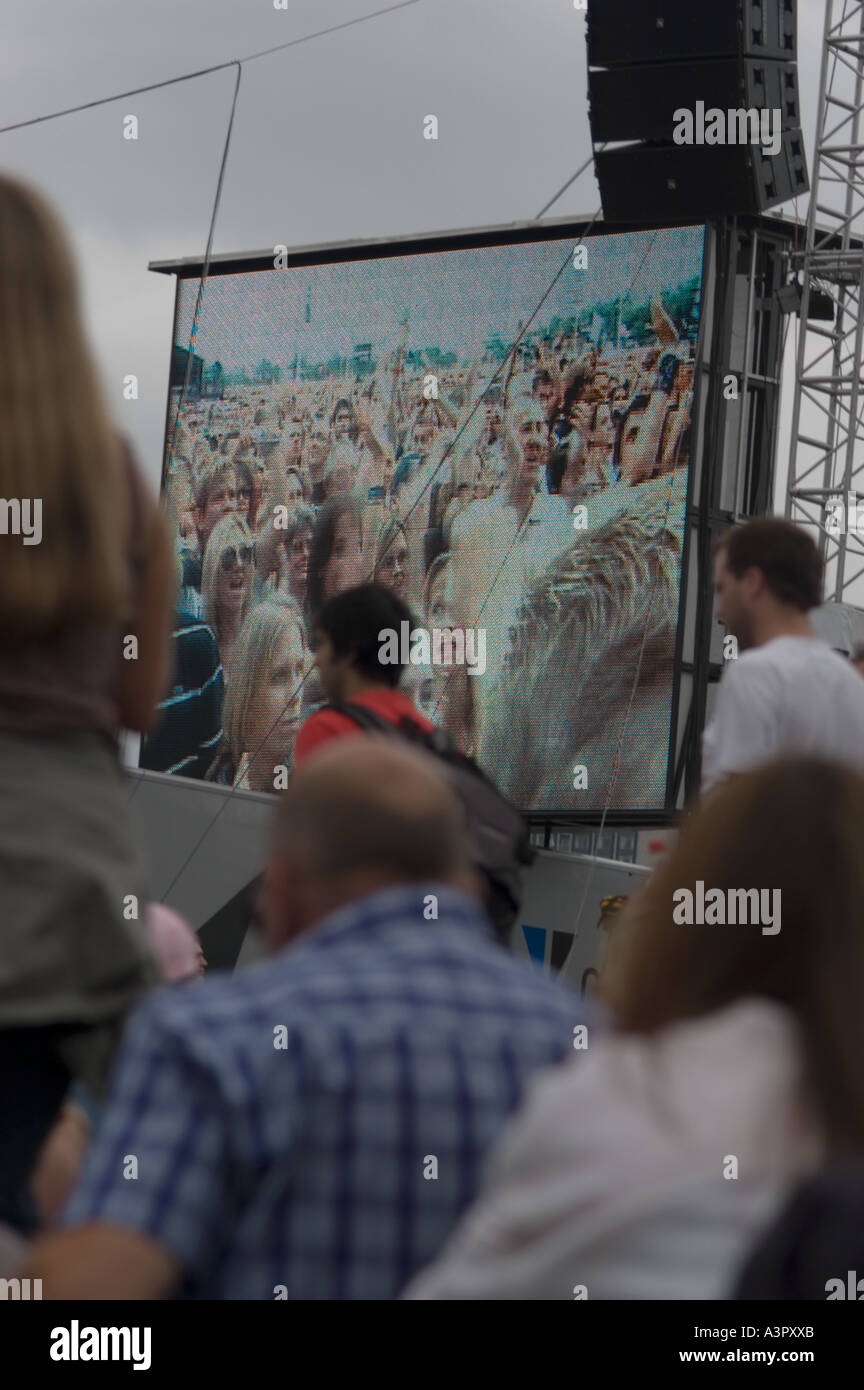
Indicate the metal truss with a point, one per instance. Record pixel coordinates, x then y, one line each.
826 464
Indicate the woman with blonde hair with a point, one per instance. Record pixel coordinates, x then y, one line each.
648 1166
262 712
86 605
227 582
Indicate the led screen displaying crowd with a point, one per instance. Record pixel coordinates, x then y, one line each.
372 420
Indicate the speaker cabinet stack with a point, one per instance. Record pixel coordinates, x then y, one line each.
706 95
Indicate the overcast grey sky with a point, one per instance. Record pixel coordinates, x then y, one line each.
327 146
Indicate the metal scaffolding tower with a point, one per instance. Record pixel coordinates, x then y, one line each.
826 463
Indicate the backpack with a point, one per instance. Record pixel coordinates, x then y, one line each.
500 842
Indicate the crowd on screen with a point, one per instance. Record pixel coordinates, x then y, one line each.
457 489
391 1104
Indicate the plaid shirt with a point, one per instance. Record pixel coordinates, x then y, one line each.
313 1126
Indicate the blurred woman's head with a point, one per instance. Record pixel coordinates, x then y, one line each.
794 830
226 580
336 558
58 448
263 702
391 558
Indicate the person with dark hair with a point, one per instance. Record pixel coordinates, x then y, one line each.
348 639
335 557
787 691
342 420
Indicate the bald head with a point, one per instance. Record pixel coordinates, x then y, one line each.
361 814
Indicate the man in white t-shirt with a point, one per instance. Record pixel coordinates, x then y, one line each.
786 691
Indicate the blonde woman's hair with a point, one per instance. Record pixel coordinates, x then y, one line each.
57 444
231 530
264 627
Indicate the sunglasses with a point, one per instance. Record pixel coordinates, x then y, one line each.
245 554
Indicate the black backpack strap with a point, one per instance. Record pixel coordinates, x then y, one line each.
435 741
364 718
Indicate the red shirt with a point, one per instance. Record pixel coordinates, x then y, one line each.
392 705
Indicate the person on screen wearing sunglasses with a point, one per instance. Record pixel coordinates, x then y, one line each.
227 583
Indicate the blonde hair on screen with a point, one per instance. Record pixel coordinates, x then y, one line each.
230 530
264 627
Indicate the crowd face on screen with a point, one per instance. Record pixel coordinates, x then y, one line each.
392 569
299 549
316 450
293 488
342 566
277 707
568 420
532 434
293 444
342 423
221 499
234 583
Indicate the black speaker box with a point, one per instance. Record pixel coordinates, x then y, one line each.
639 103
660 31
670 184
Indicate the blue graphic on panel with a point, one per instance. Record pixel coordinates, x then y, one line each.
535 940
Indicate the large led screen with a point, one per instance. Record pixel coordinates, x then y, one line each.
501 435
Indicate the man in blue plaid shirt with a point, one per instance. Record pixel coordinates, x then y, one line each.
312 1127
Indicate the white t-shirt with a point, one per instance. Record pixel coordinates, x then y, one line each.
794 695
